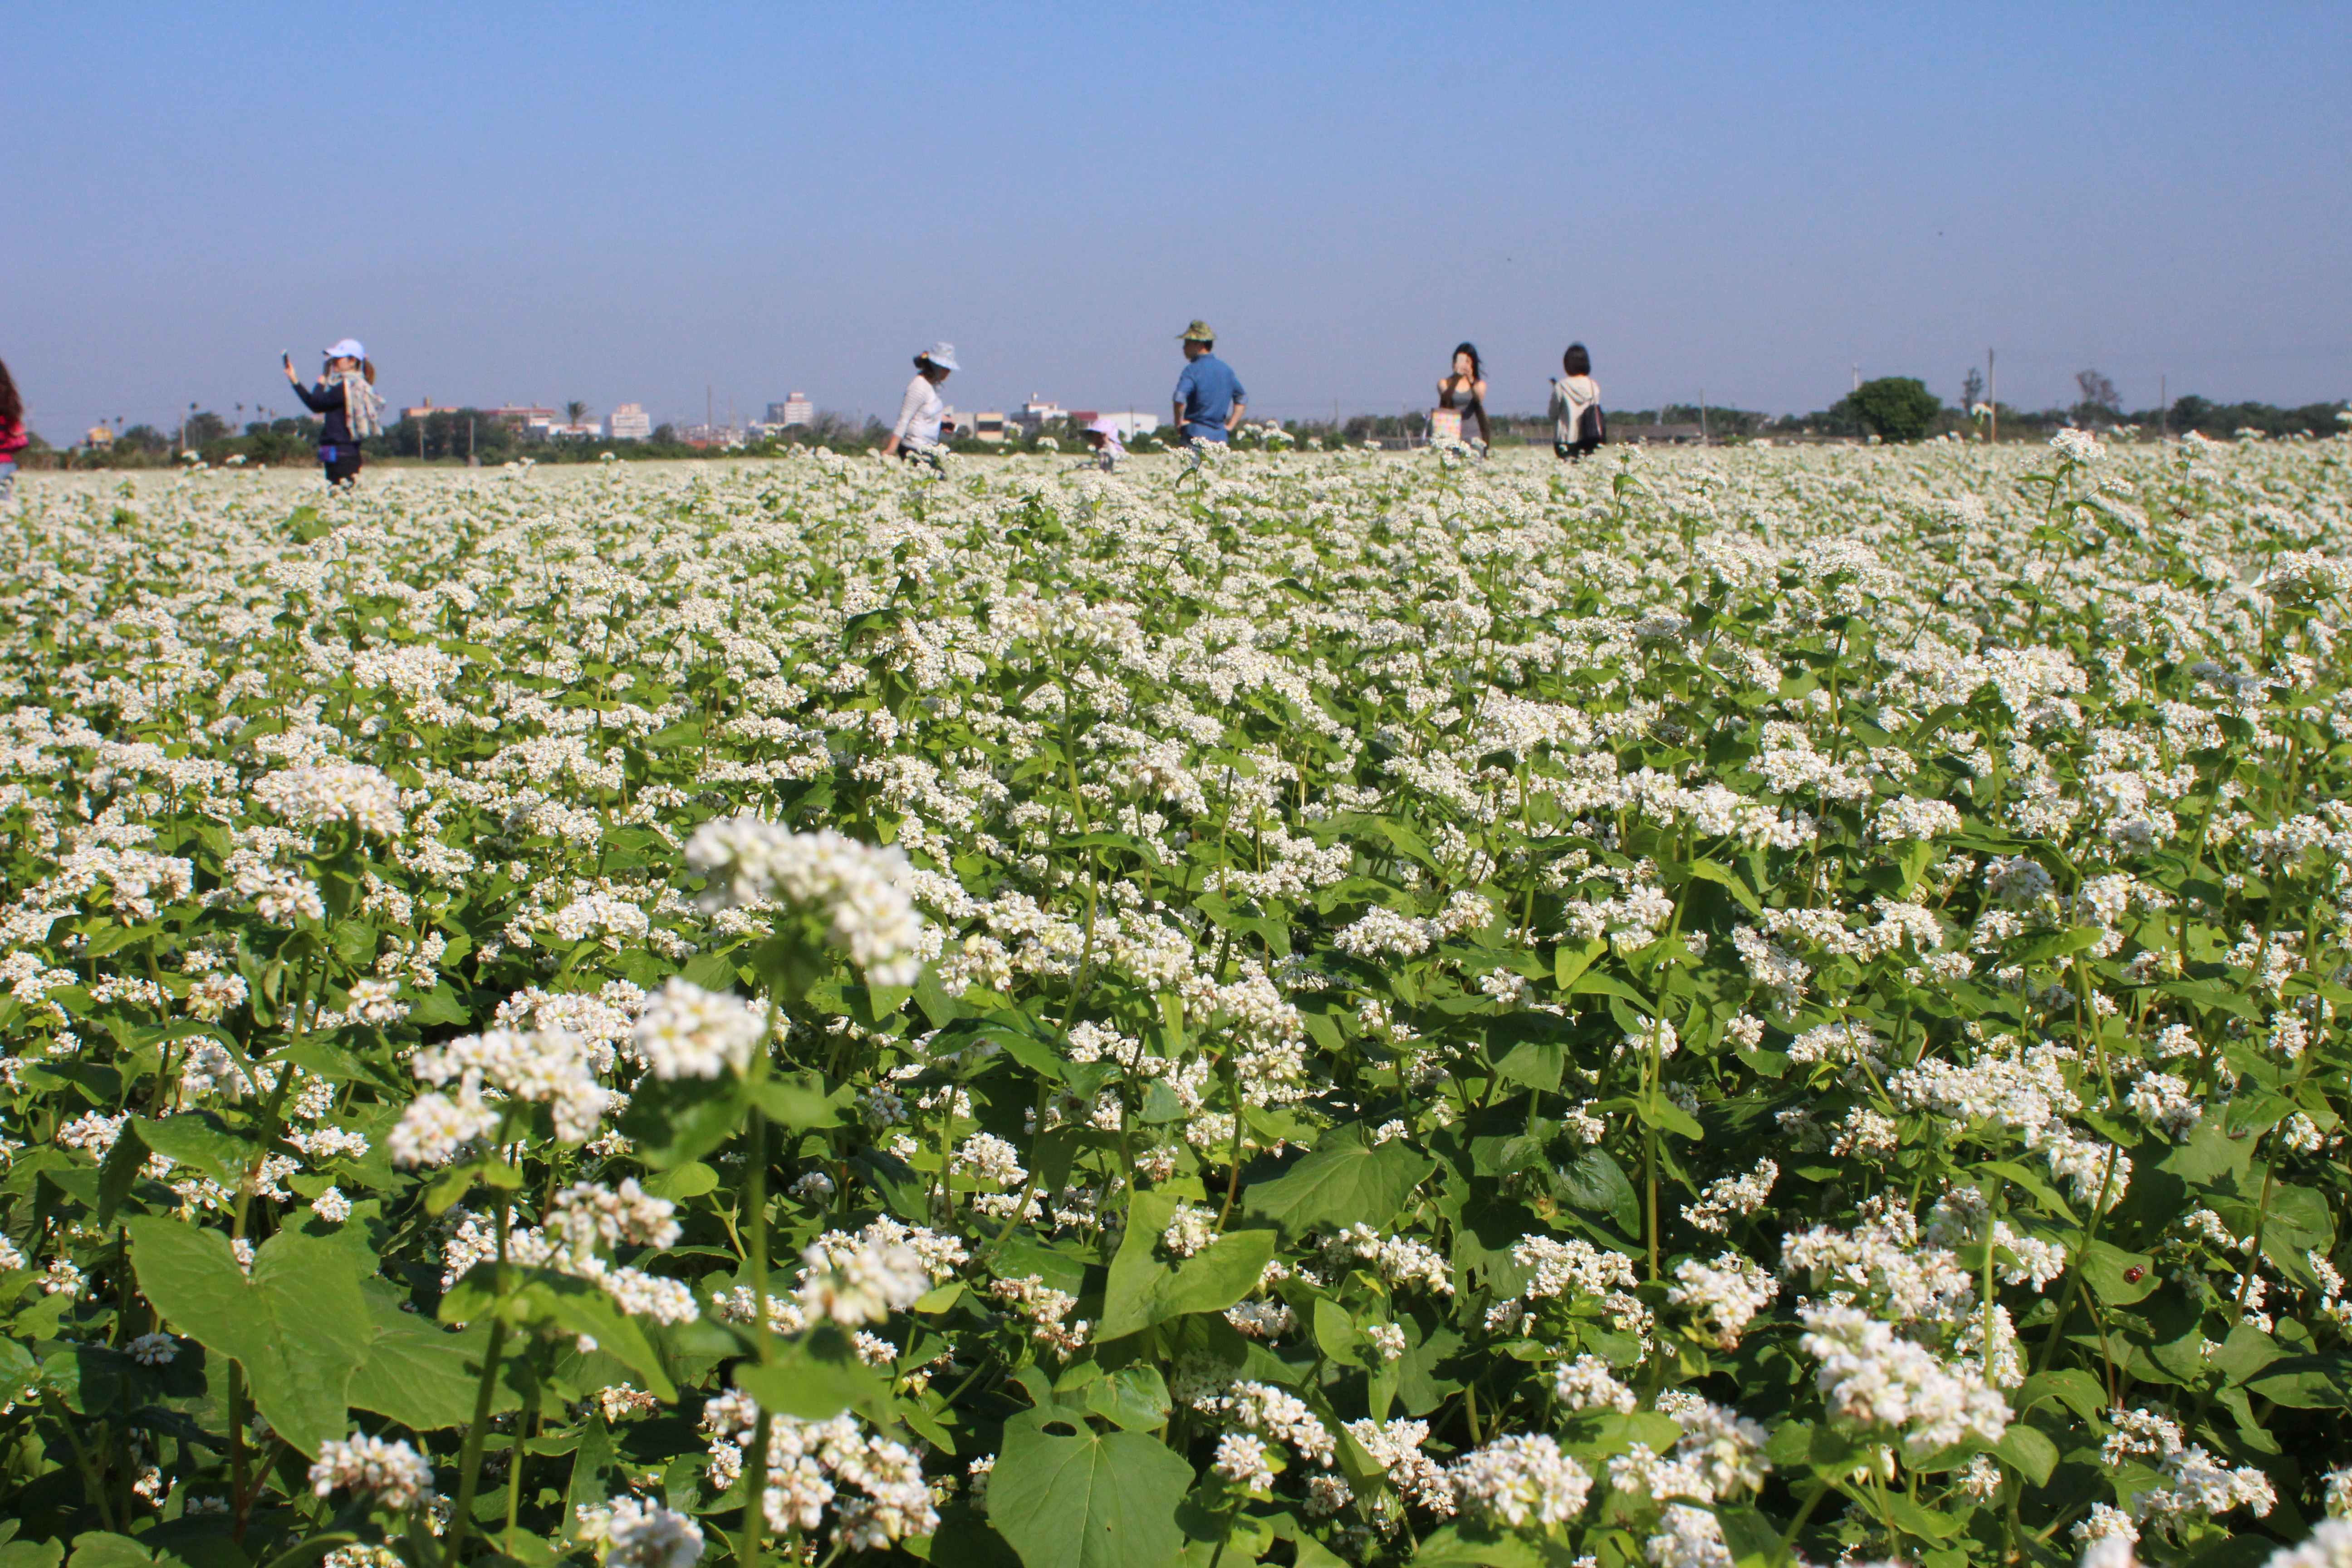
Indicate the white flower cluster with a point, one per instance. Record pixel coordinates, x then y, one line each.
629 1532
1874 1377
392 1474
688 1032
553 1066
873 1486
316 794
859 890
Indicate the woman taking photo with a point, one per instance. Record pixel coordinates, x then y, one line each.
345 399
1576 423
922 409
1465 388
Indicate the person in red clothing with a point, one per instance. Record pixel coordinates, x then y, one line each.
12 432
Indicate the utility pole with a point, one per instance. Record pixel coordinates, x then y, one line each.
1992 404
1857 376
2163 408
1702 415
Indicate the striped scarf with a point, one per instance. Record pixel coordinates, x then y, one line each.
362 409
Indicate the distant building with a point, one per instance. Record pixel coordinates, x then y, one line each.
722 436
425 407
98 436
987 425
795 410
1037 412
1129 423
629 422
532 420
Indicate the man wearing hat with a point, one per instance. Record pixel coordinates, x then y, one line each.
1209 397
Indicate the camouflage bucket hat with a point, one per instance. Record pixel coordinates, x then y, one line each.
1197 333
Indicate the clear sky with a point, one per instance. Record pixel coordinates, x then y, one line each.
538 203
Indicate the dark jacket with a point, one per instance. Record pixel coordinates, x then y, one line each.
328 401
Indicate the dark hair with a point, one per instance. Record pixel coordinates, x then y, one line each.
12 407
1576 361
1477 370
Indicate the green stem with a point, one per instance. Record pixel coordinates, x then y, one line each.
469 1462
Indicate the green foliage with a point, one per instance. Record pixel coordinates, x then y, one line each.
1414 990
1893 407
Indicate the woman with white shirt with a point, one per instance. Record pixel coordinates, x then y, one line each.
1578 427
922 410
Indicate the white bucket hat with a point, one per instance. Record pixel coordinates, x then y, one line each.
942 355
347 347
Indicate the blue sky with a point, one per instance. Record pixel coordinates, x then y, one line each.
539 202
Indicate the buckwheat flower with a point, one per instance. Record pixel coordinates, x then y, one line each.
331 1205
1242 1459
865 1287
857 888
1387 1341
2108 1526
393 1473
211 997
1588 1384
1725 1294
1872 1376
316 794
1189 1230
154 1350
63 1279
688 1032
376 1001
2338 1486
2078 446
629 1532
1519 1477
2330 1545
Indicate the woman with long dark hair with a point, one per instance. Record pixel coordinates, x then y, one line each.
12 433
1464 387
345 400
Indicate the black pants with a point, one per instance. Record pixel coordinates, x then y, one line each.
1575 451
343 466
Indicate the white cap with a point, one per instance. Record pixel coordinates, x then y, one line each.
1105 427
942 355
347 347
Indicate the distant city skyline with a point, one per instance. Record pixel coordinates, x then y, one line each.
1719 200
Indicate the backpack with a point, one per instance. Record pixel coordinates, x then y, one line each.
1591 429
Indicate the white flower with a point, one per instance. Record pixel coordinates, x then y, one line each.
859 889
394 1474
633 1533
688 1032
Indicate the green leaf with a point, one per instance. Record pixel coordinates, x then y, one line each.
1724 876
1457 1547
579 1306
1134 1398
591 1462
2034 1454
816 1377
1143 1291
681 1182
1347 1180
1570 963
1079 1498
417 1373
31 1554
1913 1519
2072 1386
199 1141
674 1121
299 1324
2119 1277
2305 1383
1594 1182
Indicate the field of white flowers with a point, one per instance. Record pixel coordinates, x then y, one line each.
1727 1009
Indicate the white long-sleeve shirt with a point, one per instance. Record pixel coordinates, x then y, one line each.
919 413
1570 396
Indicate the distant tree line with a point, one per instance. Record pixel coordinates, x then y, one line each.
1892 408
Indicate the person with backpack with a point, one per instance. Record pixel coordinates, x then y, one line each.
1577 425
345 399
12 438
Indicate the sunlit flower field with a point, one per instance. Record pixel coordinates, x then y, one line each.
1722 1009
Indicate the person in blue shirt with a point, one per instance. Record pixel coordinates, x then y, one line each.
1209 397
